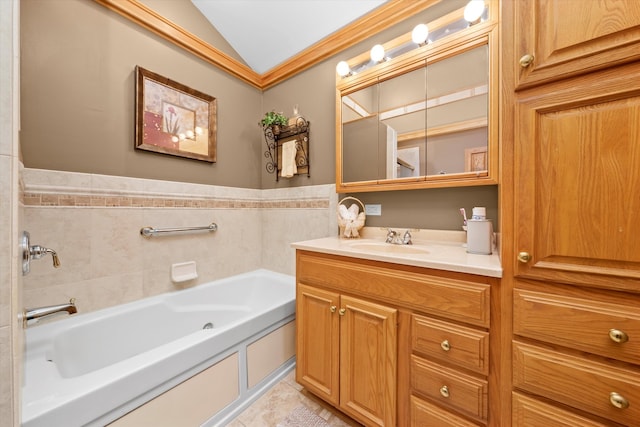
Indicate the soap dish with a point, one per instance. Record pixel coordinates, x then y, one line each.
183 271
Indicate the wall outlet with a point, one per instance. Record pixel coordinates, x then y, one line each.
373 210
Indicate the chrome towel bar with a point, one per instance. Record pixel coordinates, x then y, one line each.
150 231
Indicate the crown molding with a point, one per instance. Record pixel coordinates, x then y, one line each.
381 18
142 15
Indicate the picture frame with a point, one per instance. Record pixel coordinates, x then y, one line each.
174 119
475 159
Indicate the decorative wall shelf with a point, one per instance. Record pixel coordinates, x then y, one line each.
275 138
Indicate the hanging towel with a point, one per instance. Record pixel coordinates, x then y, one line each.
289 152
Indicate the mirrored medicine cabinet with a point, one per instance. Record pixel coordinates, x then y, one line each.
426 115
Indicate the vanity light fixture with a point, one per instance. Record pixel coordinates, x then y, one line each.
473 11
377 53
343 69
419 34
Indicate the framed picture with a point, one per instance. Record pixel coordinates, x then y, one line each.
172 118
475 159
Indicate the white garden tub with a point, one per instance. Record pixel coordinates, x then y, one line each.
91 369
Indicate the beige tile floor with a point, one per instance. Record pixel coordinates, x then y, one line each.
274 406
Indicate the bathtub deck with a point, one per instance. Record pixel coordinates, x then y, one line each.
274 406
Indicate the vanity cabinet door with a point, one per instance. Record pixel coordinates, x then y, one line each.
318 341
566 38
577 178
347 353
368 365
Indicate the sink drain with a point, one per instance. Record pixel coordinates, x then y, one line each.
208 325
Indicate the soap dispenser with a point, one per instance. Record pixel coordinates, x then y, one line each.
479 233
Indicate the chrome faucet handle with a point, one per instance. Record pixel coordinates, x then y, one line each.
37 252
30 252
407 238
391 235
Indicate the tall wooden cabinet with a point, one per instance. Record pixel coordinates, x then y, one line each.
575 200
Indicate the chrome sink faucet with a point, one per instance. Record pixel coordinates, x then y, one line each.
33 315
394 238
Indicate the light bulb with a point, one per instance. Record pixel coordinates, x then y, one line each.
474 10
419 34
377 53
343 69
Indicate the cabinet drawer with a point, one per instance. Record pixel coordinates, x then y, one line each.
450 387
532 412
456 296
589 385
465 347
602 323
425 414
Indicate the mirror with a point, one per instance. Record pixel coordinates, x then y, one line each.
457 111
422 119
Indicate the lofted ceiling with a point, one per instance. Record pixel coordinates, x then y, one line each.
294 52
266 33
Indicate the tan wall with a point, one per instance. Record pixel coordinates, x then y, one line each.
78 109
314 92
437 209
78 62
185 14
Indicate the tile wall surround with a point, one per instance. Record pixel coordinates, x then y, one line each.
10 219
93 222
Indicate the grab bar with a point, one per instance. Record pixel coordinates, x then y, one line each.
150 231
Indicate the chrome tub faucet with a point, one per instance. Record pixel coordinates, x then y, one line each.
33 315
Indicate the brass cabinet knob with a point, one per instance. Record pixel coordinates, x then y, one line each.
524 257
342 311
618 336
445 345
618 400
333 308
526 60
444 391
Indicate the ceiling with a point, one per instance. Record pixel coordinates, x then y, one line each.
266 33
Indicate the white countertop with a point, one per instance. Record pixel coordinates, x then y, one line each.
448 254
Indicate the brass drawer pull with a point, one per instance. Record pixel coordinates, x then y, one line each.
618 400
445 345
526 60
618 336
332 308
444 391
342 311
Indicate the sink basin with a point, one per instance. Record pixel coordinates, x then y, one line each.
387 248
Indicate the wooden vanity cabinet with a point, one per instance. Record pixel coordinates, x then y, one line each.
346 353
394 345
573 252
